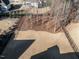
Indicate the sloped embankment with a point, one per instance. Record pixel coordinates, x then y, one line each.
39 23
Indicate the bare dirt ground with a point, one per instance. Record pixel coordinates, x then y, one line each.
45 40
39 23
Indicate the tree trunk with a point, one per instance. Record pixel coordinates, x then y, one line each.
64 10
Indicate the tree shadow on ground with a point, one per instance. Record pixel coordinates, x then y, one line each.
16 48
54 53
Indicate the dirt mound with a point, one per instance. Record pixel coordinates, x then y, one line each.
39 23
